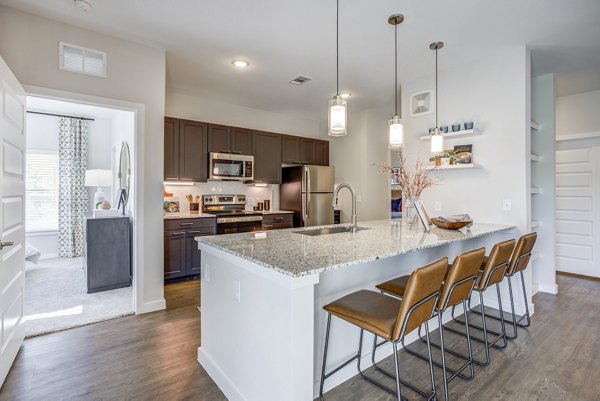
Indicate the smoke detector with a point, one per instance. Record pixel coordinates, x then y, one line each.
84 5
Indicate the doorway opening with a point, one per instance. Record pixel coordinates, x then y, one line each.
79 238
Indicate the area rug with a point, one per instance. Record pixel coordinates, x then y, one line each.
56 298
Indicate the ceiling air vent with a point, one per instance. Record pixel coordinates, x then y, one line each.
82 60
299 80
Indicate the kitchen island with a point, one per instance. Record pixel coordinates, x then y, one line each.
262 323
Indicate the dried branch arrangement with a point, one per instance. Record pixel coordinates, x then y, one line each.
411 182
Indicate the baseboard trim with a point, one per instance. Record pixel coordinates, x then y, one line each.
548 288
578 276
152 306
225 385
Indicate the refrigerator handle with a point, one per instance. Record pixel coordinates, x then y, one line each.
308 189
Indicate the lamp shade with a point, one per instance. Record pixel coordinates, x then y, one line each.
437 142
337 116
396 133
98 178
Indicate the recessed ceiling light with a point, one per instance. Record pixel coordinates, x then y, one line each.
240 63
345 95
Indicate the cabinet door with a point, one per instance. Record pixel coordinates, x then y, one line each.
322 153
241 141
175 254
171 165
290 149
267 157
194 259
307 147
193 162
219 138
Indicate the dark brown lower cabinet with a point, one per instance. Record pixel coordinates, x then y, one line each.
277 221
183 259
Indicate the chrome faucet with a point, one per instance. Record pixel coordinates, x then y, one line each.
335 201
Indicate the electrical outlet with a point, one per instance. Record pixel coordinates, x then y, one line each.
236 290
507 205
206 272
437 206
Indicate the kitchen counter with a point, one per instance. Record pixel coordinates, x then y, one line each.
269 293
169 216
296 255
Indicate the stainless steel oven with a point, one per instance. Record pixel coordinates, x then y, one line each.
231 167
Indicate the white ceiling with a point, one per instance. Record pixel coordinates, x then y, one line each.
283 39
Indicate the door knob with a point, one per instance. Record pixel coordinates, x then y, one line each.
3 244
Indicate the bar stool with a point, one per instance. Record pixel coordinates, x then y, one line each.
458 284
518 263
494 270
390 319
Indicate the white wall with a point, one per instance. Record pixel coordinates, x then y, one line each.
136 74
542 176
353 157
578 114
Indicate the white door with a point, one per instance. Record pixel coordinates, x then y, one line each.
577 240
12 230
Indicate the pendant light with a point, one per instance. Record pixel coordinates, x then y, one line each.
437 140
396 128
338 107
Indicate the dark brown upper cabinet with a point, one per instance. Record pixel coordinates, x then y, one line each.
290 149
266 149
185 150
224 139
299 150
171 165
193 156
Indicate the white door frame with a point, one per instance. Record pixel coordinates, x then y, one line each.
138 173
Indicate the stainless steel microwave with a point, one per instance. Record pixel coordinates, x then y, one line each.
230 167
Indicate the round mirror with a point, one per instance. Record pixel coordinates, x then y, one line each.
124 173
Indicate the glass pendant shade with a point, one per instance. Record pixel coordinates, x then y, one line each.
396 133
437 142
337 116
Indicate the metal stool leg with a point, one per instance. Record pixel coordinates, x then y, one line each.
324 357
444 375
526 303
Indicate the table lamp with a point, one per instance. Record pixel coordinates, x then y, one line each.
98 178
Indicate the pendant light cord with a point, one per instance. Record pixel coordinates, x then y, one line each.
337 47
436 86
396 66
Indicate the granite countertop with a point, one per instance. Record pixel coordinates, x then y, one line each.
169 216
298 255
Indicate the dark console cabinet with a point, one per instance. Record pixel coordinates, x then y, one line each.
107 252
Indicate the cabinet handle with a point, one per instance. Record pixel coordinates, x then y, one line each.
194 232
186 179
277 218
186 224
177 233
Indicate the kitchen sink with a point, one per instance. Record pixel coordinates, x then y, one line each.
329 230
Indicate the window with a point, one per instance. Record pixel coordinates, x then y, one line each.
41 191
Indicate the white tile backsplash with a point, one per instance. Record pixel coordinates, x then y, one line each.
253 193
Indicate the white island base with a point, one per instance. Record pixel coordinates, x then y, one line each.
262 322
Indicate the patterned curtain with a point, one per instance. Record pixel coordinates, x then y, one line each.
73 195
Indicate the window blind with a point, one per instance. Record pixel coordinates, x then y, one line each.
41 192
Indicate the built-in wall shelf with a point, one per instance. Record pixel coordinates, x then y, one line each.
535 190
535 126
535 224
459 166
455 134
535 158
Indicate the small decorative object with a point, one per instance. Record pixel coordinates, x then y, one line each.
421 103
469 125
423 216
194 208
444 129
98 178
260 206
431 131
170 206
463 154
455 222
267 204
455 127
167 194
105 205
412 183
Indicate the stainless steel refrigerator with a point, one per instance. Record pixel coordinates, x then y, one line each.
308 192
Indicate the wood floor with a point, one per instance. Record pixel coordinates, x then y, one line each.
153 357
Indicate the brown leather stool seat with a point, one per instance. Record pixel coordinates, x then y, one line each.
395 286
369 310
391 319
